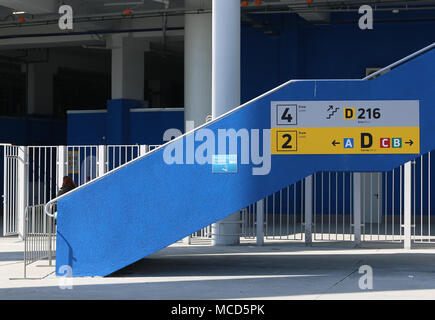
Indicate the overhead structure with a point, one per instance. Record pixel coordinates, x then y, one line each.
31 7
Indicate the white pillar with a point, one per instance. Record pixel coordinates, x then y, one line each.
62 164
407 205
226 56
22 184
197 63
197 67
308 210
260 223
128 65
226 90
357 206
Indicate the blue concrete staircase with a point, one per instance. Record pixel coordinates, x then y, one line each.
148 205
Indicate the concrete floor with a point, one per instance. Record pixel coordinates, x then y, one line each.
279 270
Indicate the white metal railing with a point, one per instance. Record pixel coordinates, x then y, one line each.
332 206
82 163
32 177
41 171
382 207
117 155
400 62
284 216
39 236
423 230
10 194
333 209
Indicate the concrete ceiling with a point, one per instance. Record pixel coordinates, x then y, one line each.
31 6
84 7
42 16
103 7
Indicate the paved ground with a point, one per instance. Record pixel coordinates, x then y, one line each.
278 270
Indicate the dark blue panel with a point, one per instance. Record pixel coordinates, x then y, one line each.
144 127
32 131
13 131
149 127
87 128
118 120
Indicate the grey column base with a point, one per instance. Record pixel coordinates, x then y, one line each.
226 232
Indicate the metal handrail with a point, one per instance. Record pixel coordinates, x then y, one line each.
393 65
401 61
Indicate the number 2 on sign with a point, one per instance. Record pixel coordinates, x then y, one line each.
286 140
286 144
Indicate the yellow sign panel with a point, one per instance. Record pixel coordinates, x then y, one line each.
353 140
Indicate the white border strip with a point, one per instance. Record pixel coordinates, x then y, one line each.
86 111
156 109
401 61
131 110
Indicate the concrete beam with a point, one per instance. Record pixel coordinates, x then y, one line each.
33 6
34 36
316 17
48 42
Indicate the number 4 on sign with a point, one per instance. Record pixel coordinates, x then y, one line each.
287 116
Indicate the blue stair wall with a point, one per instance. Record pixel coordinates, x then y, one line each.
148 205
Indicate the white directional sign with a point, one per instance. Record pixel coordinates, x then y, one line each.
345 127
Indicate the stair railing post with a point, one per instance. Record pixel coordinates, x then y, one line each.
22 184
407 180
260 222
357 208
308 210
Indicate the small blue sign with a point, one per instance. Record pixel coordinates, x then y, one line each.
348 143
224 163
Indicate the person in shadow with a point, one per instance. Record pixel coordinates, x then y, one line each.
67 185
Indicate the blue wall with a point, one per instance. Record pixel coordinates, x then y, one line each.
22 131
149 127
330 51
86 128
144 127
